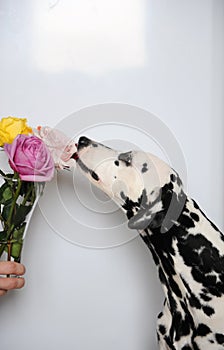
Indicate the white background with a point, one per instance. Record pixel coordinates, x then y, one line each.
57 57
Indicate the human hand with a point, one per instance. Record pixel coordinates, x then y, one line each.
11 268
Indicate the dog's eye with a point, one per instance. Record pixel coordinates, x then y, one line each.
94 176
126 158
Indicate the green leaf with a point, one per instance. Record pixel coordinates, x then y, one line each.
7 194
8 202
16 249
2 190
17 242
7 191
18 233
3 236
6 211
21 214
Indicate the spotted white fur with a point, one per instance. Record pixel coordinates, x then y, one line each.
187 247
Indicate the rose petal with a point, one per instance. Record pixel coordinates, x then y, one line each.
29 156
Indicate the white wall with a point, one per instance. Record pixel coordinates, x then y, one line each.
57 57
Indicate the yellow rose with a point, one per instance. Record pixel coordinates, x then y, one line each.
11 127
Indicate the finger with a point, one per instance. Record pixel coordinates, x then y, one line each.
2 292
11 268
11 283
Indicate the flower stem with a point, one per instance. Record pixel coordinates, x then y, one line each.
14 202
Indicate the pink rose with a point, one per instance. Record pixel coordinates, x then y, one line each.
60 146
29 156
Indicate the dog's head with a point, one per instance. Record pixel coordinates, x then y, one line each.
135 180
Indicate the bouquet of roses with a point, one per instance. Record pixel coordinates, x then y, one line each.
32 156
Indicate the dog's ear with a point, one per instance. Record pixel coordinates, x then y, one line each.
145 218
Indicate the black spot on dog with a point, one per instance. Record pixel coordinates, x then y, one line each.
162 244
196 251
172 301
179 182
195 347
175 288
169 343
186 221
129 206
219 338
96 145
168 264
187 252
160 314
116 162
180 326
123 196
94 176
144 168
162 276
203 330
173 178
162 329
209 311
186 347
197 274
205 297
185 284
194 216
195 204
83 166
215 228
154 255
194 301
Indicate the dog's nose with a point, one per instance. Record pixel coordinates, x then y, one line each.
83 142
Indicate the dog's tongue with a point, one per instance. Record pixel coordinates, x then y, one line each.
75 155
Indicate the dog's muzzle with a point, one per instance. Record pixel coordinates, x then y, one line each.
82 143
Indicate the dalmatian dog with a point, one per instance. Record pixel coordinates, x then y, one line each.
187 247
